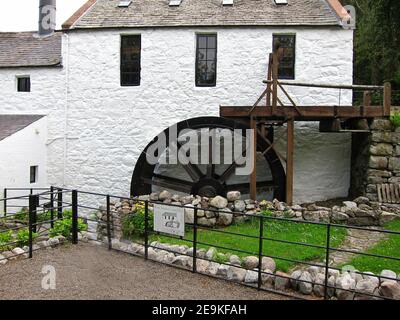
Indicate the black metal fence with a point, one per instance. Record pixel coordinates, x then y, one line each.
54 200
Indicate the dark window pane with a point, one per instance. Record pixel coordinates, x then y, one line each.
24 84
130 60
33 174
206 62
286 46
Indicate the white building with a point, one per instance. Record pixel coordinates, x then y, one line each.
117 76
23 151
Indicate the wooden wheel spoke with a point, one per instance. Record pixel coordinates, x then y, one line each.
193 170
170 183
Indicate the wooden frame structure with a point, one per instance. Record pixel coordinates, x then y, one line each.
274 112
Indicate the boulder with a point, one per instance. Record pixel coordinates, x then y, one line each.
223 270
239 206
390 289
164 195
294 277
202 265
209 214
268 263
282 281
350 204
268 278
388 274
153 196
3 259
212 268
207 222
189 213
339 217
233 196
387 217
251 276
236 274
219 202
19 252
211 253
345 282
280 206
364 289
371 277
362 200
305 285
235 260
319 286
53 242
250 262
225 217
313 271
311 215
182 261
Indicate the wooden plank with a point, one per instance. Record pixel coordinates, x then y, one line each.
328 86
384 197
379 188
268 97
253 176
397 193
275 68
289 162
392 193
387 98
308 113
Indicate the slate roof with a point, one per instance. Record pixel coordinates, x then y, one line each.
157 13
12 123
24 49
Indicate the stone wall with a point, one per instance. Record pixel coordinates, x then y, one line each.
382 161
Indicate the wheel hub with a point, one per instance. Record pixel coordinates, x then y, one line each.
209 187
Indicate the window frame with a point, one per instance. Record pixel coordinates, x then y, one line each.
293 35
198 35
24 77
122 62
33 174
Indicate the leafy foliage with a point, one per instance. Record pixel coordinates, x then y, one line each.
23 237
395 119
134 224
64 227
5 238
377 42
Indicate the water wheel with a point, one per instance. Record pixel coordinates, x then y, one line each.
210 179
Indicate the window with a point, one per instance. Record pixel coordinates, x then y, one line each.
206 60
130 60
23 84
286 45
34 174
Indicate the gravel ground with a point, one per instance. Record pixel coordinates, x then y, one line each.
92 272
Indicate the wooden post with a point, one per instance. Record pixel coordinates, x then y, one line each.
275 65
253 176
269 77
289 162
387 98
367 98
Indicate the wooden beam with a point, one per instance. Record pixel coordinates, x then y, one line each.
275 68
253 176
308 113
289 162
327 86
387 98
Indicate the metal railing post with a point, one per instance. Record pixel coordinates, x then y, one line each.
52 207
146 227
108 222
74 216
59 203
328 237
260 252
195 241
5 202
32 213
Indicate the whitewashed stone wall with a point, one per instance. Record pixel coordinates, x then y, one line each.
113 124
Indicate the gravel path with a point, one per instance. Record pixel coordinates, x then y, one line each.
92 272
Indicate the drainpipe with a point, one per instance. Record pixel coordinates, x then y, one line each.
66 65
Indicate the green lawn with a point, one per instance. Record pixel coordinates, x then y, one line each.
388 247
279 230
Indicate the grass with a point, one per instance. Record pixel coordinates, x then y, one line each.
390 246
274 229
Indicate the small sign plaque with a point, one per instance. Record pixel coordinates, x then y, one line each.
169 219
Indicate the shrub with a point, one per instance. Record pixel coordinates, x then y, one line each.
395 119
64 227
22 215
5 238
134 224
23 237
